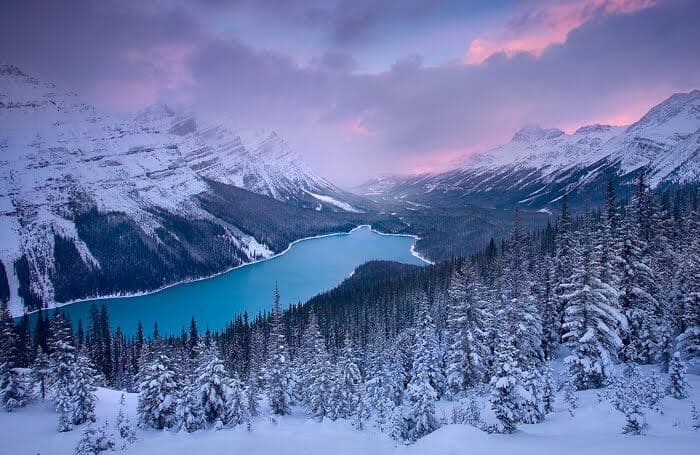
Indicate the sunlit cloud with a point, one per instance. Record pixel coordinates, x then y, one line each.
539 27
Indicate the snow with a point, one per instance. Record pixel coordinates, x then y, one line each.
332 201
665 141
54 148
595 428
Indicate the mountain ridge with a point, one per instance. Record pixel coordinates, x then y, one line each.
66 167
664 143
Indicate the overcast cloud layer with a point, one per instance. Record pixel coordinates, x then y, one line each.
362 87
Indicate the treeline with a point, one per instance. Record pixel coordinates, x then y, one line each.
620 286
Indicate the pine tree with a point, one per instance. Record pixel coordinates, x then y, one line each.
678 387
468 412
190 416
18 390
9 358
467 348
237 412
157 403
563 261
689 296
348 386
318 376
639 289
63 359
505 386
83 391
627 393
591 317
211 383
124 427
277 377
420 393
94 441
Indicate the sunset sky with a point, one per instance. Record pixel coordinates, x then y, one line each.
365 87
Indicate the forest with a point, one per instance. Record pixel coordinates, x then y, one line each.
607 291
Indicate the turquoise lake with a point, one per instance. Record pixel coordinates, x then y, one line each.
309 267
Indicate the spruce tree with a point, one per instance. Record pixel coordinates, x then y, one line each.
63 359
318 376
237 411
591 317
83 391
467 347
639 287
124 428
420 393
277 375
678 386
157 403
348 384
211 383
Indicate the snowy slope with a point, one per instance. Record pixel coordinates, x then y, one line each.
595 428
539 165
60 156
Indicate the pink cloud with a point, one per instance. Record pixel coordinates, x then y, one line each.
126 95
535 29
355 127
151 73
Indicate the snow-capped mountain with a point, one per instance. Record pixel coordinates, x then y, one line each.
539 165
60 158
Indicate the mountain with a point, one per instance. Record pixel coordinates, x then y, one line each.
539 165
73 178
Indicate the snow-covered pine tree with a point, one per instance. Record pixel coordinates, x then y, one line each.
211 385
689 339
467 347
570 397
63 359
348 386
591 316
237 412
468 412
83 391
421 396
678 386
124 428
41 369
638 286
277 377
95 440
157 403
317 379
9 359
505 388
551 322
627 393
563 260
18 389
190 416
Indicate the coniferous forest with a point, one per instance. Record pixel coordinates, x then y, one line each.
604 291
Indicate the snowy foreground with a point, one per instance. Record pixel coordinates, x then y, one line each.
595 429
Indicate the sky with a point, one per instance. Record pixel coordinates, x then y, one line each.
362 88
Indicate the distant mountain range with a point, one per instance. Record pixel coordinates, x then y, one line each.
539 165
93 205
69 175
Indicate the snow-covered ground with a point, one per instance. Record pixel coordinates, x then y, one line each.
595 429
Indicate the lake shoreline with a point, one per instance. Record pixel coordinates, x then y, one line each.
214 275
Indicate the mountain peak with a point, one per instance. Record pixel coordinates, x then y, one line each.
595 128
681 107
534 132
154 113
11 70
